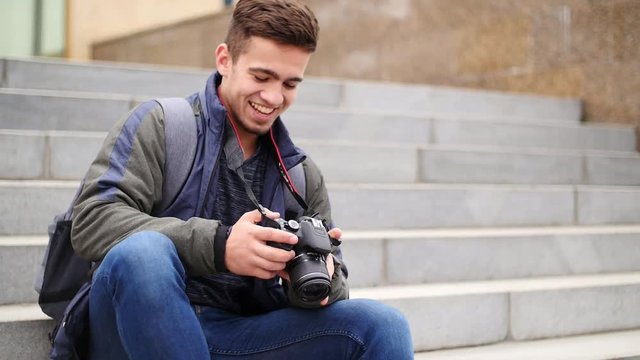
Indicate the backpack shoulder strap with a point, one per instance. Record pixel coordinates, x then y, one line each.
180 146
293 209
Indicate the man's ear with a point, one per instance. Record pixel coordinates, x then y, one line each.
223 59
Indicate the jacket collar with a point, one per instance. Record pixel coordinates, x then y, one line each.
215 117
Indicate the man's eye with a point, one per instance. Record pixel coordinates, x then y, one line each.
260 79
290 85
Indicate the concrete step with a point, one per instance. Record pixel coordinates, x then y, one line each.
620 345
101 77
56 110
395 257
420 99
74 111
56 155
143 81
46 110
479 313
585 137
66 155
20 259
456 314
452 129
394 163
29 206
24 330
151 81
401 206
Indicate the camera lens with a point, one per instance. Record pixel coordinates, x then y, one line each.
314 290
309 277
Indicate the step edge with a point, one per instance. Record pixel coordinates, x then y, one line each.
497 287
22 312
617 344
490 232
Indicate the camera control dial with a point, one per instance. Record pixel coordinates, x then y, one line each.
292 225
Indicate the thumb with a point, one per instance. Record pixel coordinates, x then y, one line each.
255 216
335 233
272 214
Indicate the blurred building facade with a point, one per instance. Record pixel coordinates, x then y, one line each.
576 48
32 27
70 28
588 49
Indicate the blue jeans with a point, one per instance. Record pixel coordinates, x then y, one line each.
139 310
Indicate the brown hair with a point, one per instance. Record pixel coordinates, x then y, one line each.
287 22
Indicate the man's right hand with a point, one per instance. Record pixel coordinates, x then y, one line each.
247 252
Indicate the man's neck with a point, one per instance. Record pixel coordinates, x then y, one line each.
248 142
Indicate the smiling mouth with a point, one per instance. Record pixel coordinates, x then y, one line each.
262 109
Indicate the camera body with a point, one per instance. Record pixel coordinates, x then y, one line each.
308 274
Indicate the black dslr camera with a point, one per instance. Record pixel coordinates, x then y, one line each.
308 269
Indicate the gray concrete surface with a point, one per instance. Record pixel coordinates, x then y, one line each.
102 77
41 111
66 155
498 166
19 266
467 314
608 205
28 208
457 132
419 257
424 99
25 339
619 345
610 170
440 322
564 312
23 155
366 206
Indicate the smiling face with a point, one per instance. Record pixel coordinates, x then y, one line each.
260 84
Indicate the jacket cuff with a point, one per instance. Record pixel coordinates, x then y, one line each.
220 247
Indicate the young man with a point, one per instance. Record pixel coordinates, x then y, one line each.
198 280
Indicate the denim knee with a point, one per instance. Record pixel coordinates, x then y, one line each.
142 257
138 305
378 315
384 330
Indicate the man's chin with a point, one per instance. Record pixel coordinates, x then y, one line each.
256 127
263 128
260 130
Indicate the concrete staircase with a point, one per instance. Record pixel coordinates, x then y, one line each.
498 223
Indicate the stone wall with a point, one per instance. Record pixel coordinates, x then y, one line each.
90 21
189 43
578 48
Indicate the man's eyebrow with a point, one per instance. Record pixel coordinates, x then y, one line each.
273 74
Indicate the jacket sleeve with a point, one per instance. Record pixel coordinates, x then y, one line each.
317 198
123 185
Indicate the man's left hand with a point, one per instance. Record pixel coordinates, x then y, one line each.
335 233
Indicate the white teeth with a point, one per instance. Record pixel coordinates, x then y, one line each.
261 109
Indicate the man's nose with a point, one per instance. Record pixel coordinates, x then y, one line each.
273 95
